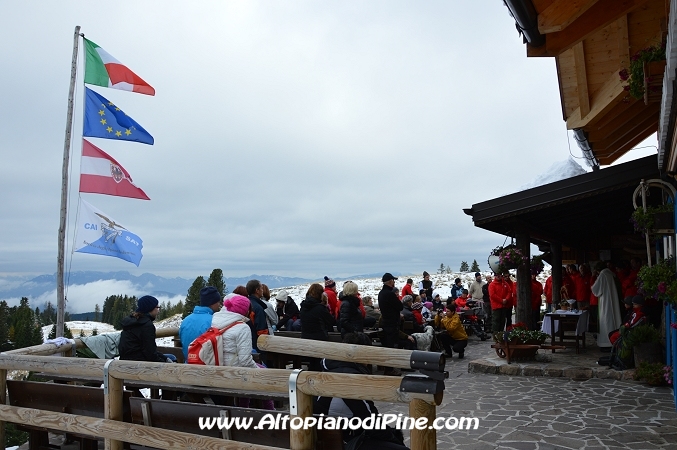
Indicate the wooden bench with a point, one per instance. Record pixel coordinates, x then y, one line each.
80 400
185 417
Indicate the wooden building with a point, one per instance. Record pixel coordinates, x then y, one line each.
587 218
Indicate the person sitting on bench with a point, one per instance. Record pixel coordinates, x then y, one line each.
137 340
635 318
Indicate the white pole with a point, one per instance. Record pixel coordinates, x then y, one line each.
60 298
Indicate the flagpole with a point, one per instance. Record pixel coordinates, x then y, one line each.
60 298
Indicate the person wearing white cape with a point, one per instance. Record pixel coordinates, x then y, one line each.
609 309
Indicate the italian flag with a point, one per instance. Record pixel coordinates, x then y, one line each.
101 69
101 174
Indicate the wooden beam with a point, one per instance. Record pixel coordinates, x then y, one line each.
602 101
607 159
623 42
621 122
561 13
581 80
624 135
598 16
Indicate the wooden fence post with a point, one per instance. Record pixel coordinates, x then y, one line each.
300 405
425 439
113 403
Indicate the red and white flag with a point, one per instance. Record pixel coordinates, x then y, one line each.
101 174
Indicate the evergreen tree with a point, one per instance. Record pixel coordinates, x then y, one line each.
475 267
97 313
82 333
193 297
448 270
52 332
464 266
48 315
216 279
5 343
441 269
25 327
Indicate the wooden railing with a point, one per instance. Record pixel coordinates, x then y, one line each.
306 385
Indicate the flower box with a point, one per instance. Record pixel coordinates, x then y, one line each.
653 81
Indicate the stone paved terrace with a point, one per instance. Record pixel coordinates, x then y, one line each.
547 412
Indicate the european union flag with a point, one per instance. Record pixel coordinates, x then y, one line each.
105 120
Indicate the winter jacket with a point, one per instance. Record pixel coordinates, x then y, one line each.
536 293
332 301
456 291
237 343
194 325
475 290
289 312
428 286
372 312
350 316
582 283
547 290
137 340
499 290
452 325
258 319
316 320
630 284
390 307
406 290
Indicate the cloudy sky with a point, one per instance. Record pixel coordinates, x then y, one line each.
294 138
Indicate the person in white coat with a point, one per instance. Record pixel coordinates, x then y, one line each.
609 309
237 340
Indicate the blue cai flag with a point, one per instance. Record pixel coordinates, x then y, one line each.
103 119
100 234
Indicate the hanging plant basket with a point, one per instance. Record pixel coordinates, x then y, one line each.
653 81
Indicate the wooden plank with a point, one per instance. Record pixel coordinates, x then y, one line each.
112 429
360 387
623 42
581 80
622 121
389 357
617 153
626 133
300 439
53 364
611 93
599 15
561 13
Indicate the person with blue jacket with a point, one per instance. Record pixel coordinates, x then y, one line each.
196 323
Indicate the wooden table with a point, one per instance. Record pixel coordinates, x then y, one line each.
556 323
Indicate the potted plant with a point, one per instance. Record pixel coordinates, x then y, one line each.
654 218
537 264
652 373
659 281
644 77
644 342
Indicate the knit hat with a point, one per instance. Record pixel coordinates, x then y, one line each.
477 274
238 304
628 301
428 305
638 300
282 296
418 305
146 304
328 282
209 295
425 274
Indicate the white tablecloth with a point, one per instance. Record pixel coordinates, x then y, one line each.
581 326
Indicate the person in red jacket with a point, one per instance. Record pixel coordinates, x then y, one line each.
406 290
536 301
330 290
630 282
500 295
547 290
636 318
583 284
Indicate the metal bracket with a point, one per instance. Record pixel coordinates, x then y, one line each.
293 405
421 384
105 376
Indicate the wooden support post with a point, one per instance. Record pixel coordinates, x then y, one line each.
524 280
301 406
113 404
3 401
425 439
556 248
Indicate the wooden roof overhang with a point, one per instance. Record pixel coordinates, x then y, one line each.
591 41
588 212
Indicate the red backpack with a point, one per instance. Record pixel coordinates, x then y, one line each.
207 348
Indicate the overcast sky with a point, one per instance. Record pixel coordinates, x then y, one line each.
296 138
